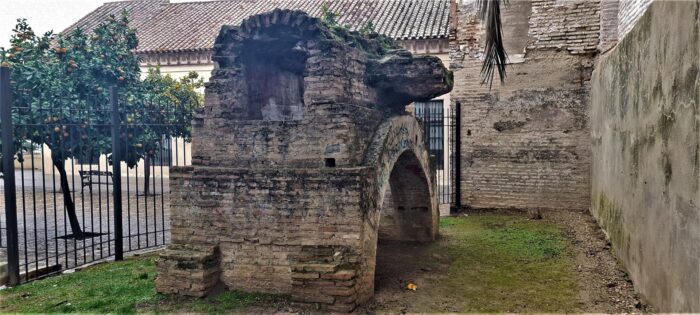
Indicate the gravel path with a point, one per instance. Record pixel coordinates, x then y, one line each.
603 286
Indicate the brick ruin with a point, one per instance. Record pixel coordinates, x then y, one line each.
303 157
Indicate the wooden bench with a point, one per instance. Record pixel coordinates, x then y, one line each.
86 177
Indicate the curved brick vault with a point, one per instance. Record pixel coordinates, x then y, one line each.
302 158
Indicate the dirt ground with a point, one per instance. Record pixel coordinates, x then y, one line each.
601 286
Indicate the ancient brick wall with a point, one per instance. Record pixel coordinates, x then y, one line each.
302 133
525 143
630 11
341 134
646 166
617 18
571 25
609 25
285 211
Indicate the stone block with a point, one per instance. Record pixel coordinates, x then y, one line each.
188 270
340 275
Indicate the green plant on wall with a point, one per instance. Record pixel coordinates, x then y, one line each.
329 17
367 29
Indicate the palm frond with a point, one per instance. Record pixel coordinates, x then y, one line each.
495 56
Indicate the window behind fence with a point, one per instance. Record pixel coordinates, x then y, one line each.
432 112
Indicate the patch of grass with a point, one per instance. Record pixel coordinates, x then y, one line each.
223 303
119 287
503 263
497 263
445 222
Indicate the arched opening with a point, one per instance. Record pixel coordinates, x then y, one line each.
406 224
273 66
405 214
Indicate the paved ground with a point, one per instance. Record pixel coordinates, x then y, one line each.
42 223
36 178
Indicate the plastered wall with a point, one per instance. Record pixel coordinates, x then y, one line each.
646 153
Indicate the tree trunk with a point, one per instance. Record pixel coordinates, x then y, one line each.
146 174
68 200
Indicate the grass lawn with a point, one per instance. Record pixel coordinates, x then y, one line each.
494 263
118 287
505 263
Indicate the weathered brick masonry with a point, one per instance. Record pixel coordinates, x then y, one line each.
302 145
525 144
617 17
629 12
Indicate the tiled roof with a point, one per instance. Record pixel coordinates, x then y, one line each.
191 26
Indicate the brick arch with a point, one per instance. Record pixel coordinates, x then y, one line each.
270 53
402 161
276 28
403 176
405 213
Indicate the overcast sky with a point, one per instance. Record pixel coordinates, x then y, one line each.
45 15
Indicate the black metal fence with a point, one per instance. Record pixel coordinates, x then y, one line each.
442 137
61 215
86 208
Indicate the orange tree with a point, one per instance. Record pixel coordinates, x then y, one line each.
60 92
161 109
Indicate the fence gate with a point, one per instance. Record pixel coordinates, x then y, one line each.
58 215
441 125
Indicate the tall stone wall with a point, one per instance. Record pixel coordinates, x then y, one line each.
646 146
525 143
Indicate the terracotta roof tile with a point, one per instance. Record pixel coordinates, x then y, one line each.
164 27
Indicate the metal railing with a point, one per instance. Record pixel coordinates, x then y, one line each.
111 205
442 137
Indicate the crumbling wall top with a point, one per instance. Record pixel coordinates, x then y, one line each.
290 90
276 65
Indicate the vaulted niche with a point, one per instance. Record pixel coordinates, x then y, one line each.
273 63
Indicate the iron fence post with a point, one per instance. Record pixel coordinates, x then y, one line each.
458 157
116 173
426 116
8 166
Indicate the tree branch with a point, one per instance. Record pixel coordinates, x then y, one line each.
495 57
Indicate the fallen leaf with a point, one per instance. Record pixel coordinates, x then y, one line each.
411 286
